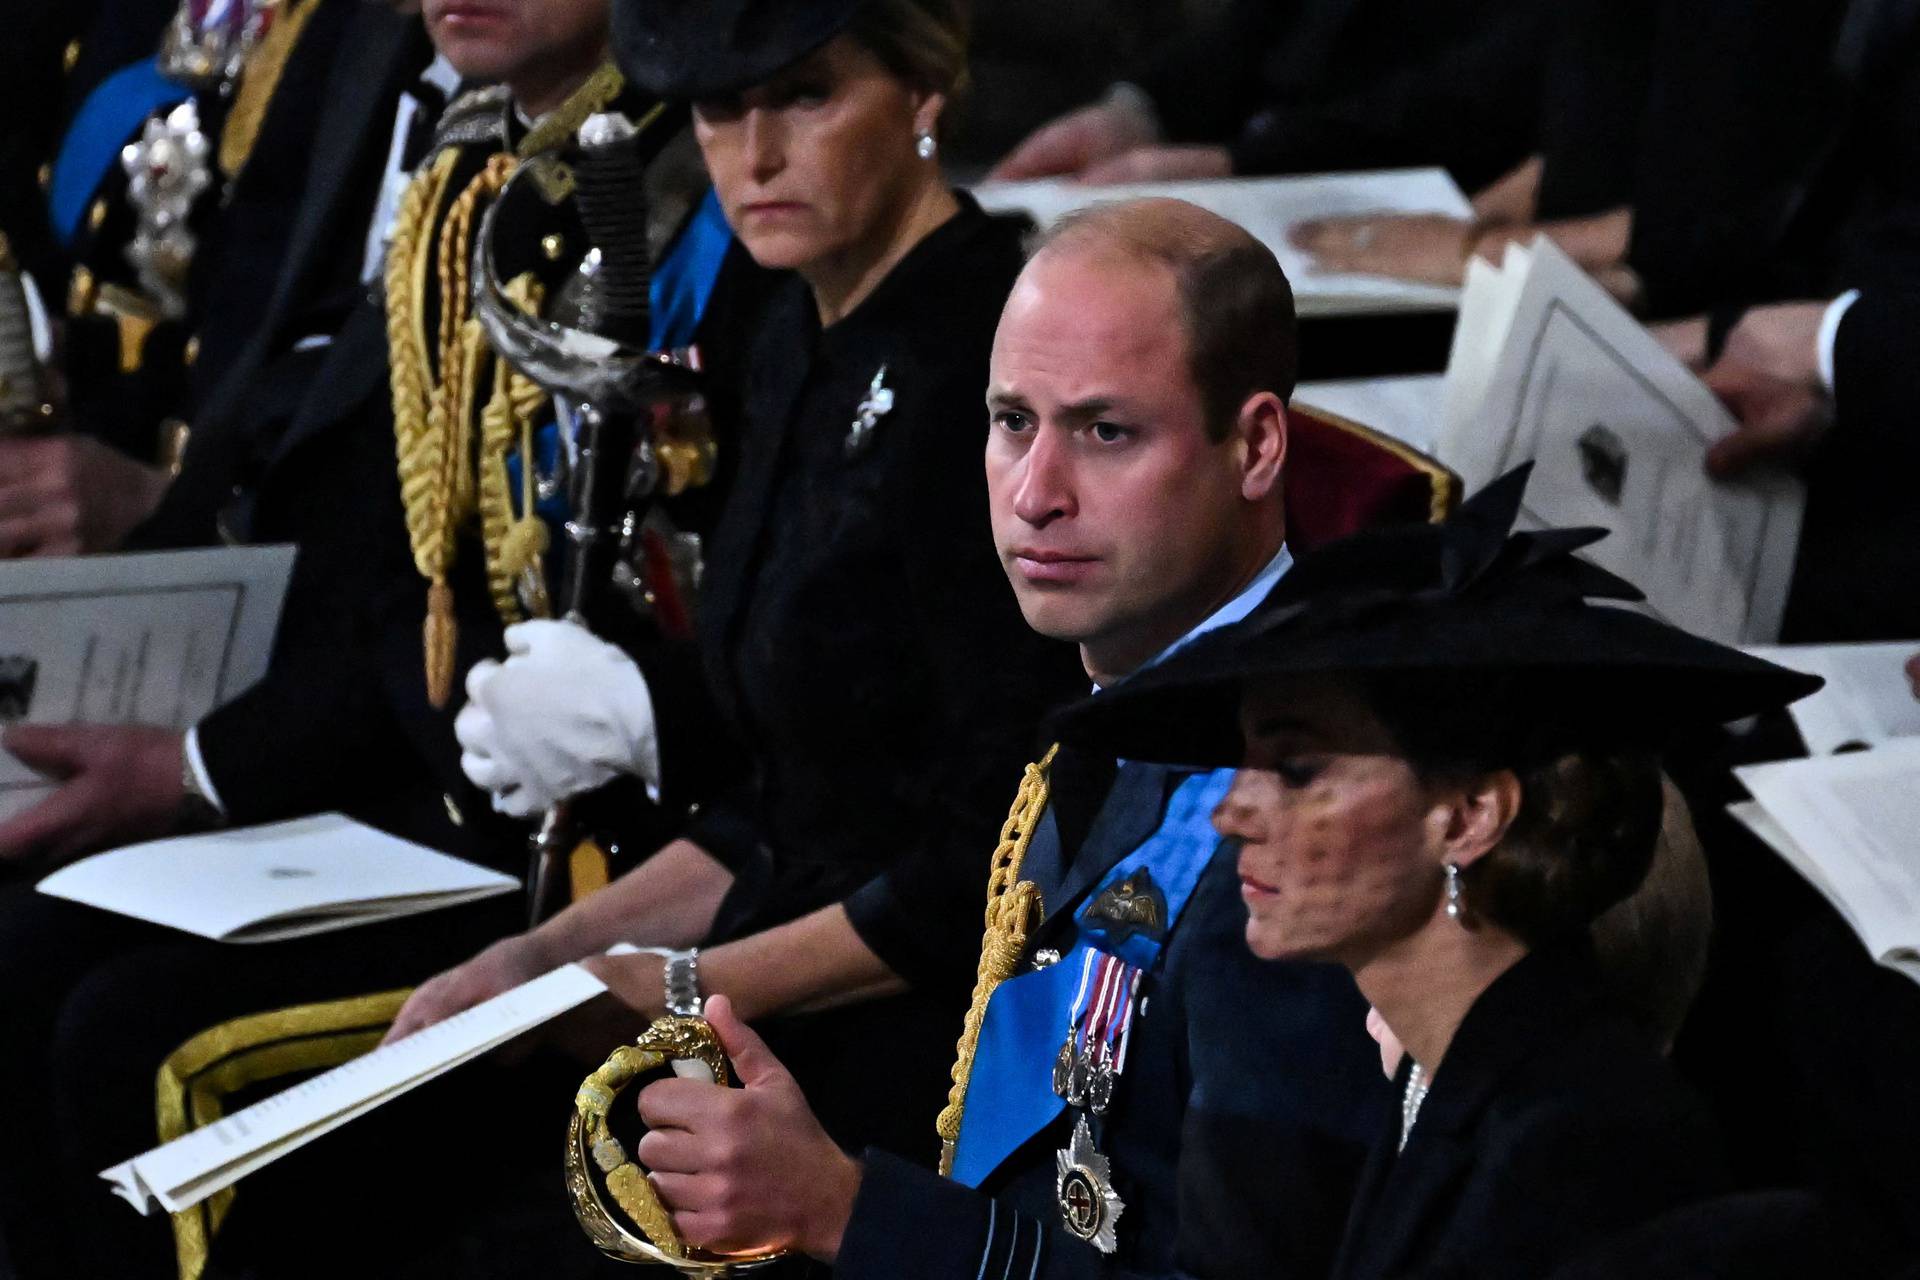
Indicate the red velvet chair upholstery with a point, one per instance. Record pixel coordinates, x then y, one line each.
1342 477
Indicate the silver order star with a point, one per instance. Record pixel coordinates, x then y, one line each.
1090 1208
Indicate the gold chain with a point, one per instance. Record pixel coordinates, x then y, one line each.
1012 904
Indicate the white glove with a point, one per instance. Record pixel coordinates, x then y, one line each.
565 713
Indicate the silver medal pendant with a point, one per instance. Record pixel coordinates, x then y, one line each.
1063 1069
1089 1206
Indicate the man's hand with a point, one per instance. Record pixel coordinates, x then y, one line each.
67 494
501 967
564 714
747 1168
1769 376
1077 141
1160 164
118 784
1428 247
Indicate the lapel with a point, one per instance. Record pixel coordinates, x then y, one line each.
1134 809
1527 1012
769 413
354 369
373 56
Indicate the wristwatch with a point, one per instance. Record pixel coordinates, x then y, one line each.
682 975
197 810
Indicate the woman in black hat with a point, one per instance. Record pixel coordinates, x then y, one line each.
859 641
1447 771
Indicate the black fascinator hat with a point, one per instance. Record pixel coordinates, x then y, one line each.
681 50
1526 650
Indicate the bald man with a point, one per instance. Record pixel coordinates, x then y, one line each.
1145 1098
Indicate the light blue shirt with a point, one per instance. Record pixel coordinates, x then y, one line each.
1233 610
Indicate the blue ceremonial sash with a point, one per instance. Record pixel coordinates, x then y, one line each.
683 280
117 107
1010 1095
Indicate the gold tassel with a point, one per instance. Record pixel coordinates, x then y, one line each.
442 634
1012 905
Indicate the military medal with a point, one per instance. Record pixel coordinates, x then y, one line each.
1098 1027
1089 1206
1085 1072
877 405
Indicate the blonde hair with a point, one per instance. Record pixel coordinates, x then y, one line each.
924 42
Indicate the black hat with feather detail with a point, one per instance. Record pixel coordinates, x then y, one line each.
1516 649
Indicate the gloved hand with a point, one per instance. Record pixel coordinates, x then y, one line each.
564 714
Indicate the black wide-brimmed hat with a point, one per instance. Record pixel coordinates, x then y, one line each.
683 50
1526 649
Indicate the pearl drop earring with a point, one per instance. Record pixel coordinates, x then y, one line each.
925 146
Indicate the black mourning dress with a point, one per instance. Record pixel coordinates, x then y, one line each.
1551 1125
863 647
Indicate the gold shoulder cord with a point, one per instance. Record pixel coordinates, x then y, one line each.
265 66
1012 903
444 479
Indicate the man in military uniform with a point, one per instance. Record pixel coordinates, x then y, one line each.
1117 1107
345 719
171 197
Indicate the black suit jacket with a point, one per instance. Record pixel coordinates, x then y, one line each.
1860 543
1833 89
1237 1128
1550 1125
307 289
1358 84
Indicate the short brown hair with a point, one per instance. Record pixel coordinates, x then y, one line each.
923 42
1581 841
1652 945
1236 305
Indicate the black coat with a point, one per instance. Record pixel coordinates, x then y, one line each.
1360 84
1551 1124
858 634
1832 87
1237 1129
1862 530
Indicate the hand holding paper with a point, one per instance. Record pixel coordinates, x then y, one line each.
117 783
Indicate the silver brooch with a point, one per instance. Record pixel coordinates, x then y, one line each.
877 405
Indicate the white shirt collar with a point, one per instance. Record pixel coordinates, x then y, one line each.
1233 610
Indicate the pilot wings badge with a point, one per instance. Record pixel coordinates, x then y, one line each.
1134 904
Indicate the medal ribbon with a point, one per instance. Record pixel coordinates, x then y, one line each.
1011 1096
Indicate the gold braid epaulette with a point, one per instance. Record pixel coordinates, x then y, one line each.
1012 904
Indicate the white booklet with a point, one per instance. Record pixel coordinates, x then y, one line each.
282 880
187 1170
1269 208
1867 699
1546 367
1850 824
1404 406
159 638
